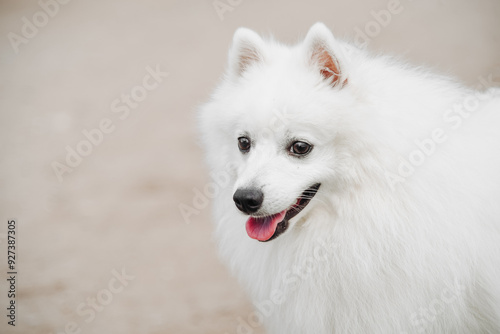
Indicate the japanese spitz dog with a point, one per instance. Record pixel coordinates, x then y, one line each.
354 193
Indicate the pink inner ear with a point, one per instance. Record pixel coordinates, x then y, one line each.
247 58
329 68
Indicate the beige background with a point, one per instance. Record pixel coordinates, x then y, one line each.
119 207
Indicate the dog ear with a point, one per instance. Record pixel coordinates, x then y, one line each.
247 50
324 53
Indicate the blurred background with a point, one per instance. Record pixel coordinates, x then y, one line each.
99 149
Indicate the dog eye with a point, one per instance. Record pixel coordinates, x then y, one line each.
300 148
244 144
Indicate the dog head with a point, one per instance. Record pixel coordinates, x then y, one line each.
275 119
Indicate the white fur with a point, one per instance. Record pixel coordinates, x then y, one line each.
373 252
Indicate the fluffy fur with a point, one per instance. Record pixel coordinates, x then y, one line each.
395 241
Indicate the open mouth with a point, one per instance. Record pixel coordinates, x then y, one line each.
269 227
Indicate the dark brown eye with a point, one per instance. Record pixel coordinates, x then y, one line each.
300 148
244 144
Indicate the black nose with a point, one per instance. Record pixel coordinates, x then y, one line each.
248 200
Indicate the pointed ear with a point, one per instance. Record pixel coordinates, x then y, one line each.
324 54
247 50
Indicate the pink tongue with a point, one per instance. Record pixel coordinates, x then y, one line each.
263 228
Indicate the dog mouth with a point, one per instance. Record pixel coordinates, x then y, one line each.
270 227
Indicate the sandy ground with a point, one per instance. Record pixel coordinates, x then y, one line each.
118 208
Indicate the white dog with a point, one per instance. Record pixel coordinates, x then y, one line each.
364 194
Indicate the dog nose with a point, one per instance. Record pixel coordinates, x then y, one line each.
248 200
